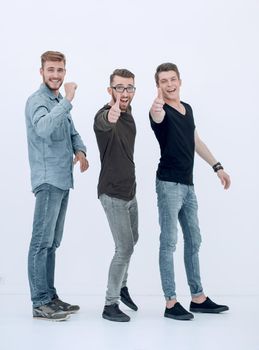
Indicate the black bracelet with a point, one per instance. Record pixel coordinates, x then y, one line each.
217 167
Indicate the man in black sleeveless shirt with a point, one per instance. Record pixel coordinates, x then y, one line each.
115 132
173 124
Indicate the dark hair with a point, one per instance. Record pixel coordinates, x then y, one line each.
52 56
165 67
124 73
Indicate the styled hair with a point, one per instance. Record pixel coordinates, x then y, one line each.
165 67
124 73
52 56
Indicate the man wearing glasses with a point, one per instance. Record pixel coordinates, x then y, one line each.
115 132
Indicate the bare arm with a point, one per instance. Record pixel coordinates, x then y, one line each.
206 155
203 150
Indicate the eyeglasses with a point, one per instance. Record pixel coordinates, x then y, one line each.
121 88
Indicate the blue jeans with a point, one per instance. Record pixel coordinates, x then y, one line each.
48 224
123 221
178 202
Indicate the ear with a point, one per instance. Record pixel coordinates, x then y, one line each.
109 89
180 82
41 71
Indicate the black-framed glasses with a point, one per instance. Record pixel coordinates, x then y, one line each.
120 88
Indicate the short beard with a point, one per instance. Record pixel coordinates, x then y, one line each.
114 100
53 90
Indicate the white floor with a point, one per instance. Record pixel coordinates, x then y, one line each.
237 329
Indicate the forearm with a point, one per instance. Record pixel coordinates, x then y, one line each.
157 117
101 122
205 153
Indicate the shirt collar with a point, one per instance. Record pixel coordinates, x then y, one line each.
52 96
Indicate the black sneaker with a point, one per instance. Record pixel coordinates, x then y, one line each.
65 306
113 313
126 299
50 312
177 312
208 306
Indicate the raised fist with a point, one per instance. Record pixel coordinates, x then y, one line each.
70 89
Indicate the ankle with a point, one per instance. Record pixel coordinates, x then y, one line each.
171 303
199 299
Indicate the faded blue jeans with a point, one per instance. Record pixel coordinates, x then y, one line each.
123 221
48 224
178 202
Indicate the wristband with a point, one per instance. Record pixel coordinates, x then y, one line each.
217 167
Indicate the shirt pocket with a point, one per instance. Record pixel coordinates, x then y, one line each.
58 134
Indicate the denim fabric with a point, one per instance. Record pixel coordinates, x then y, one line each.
178 202
123 220
48 224
52 139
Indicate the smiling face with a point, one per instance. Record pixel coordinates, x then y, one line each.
125 96
169 83
53 73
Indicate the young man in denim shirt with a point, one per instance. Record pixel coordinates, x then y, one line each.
173 124
52 142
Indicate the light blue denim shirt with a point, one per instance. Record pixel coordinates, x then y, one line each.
52 139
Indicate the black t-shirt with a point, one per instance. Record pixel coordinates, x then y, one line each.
175 135
116 146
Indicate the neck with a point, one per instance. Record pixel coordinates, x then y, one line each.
174 103
55 92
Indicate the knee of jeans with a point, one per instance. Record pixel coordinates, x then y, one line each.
197 244
56 244
168 245
194 245
125 254
47 244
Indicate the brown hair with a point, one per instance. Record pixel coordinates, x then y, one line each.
52 56
165 67
124 73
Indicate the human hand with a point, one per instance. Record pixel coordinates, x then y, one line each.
115 112
81 158
157 112
224 178
70 89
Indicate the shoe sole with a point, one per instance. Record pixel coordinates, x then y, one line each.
65 318
115 319
210 311
180 318
70 311
133 307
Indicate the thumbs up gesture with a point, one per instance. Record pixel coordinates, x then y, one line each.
114 112
157 112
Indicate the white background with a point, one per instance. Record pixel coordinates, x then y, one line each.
215 45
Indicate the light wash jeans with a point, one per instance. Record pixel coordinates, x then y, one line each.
48 224
178 202
123 220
